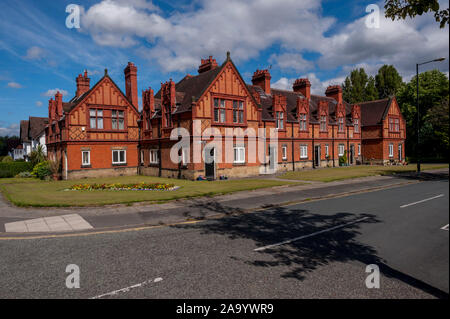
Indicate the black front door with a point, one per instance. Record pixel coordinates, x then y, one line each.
317 155
209 163
352 154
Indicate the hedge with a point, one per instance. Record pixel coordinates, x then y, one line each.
13 168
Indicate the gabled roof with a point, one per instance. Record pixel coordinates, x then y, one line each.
69 106
36 126
24 125
373 112
189 88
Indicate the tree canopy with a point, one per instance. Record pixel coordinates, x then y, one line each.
400 9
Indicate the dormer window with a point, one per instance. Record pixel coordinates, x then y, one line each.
323 123
280 120
356 125
341 124
303 123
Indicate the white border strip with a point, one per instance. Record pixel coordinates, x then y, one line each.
421 201
310 235
126 289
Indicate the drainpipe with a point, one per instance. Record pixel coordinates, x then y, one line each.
348 145
332 142
292 146
313 152
159 149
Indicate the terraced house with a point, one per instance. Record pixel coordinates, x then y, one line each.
96 133
101 132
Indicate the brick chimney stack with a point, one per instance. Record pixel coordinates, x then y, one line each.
302 86
335 92
262 79
131 84
58 101
207 64
83 84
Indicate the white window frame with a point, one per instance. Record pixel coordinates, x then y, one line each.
154 158
240 152
280 120
359 149
356 125
284 152
119 161
341 149
303 151
89 158
327 152
391 150
142 157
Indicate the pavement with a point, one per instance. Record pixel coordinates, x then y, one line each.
15 221
313 249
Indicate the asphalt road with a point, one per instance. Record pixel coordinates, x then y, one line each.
217 258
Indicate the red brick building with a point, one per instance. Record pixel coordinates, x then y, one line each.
96 133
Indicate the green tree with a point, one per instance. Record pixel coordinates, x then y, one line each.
433 92
388 81
400 9
358 87
371 92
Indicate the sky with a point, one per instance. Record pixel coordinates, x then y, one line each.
322 40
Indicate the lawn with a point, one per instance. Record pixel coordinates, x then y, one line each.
32 192
341 173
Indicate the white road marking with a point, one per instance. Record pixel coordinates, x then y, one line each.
421 201
310 235
126 289
445 227
49 224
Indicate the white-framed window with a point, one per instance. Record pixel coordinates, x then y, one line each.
356 125
154 159
391 150
85 158
303 123
323 123
185 156
359 149
280 120
142 157
219 111
119 157
284 152
341 124
341 149
117 120
96 118
239 154
327 153
303 151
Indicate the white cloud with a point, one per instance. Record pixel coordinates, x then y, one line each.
52 92
35 53
14 85
10 130
38 103
176 42
291 61
318 87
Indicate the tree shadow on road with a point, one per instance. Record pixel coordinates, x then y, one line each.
302 256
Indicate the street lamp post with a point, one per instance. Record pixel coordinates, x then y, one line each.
418 113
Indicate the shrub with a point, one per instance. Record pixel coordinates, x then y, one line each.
37 156
42 170
25 174
343 159
11 169
7 159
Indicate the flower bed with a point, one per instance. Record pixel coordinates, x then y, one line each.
125 187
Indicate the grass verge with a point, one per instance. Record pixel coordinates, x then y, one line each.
26 192
342 173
